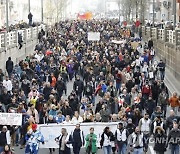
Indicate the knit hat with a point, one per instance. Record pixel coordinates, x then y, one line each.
34 127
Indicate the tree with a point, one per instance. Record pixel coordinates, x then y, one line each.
54 10
131 7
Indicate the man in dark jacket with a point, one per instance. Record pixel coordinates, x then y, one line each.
174 138
150 106
161 66
5 98
47 91
60 87
20 40
9 66
78 87
88 91
150 43
30 18
78 139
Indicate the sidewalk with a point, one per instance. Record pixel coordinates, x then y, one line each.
171 82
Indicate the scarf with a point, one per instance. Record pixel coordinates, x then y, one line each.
63 139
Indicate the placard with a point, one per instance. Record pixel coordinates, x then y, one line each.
93 36
11 119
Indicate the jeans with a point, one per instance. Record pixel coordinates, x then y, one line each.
159 152
162 74
107 149
122 148
17 135
71 75
76 149
138 151
146 136
118 86
174 149
175 109
1 149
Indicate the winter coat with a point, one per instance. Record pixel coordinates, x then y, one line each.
174 101
78 86
9 65
160 142
91 142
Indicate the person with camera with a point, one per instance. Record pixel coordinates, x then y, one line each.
91 147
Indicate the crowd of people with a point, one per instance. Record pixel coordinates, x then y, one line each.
116 79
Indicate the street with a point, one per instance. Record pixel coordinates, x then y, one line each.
100 151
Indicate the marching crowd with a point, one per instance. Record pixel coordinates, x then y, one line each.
115 79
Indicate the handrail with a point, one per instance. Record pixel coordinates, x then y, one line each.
169 36
10 39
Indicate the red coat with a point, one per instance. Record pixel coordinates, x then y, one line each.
146 89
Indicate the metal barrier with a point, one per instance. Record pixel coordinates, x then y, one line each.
10 39
170 36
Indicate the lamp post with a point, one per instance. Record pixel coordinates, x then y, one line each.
7 15
42 10
29 5
174 13
153 12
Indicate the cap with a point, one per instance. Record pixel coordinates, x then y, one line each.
34 126
175 120
129 120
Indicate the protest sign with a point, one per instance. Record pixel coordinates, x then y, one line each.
11 119
93 36
51 131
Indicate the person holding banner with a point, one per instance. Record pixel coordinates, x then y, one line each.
91 142
64 141
121 135
106 139
78 139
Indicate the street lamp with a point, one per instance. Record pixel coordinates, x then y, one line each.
42 9
153 12
174 13
7 15
29 5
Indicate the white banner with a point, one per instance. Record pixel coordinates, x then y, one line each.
11 119
93 36
51 131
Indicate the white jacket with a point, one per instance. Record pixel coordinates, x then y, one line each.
107 141
7 85
66 140
134 140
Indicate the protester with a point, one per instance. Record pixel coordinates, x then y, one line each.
160 139
106 139
4 138
137 142
78 139
174 102
64 141
33 138
7 150
91 139
30 18
121 135
9 66
173 138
